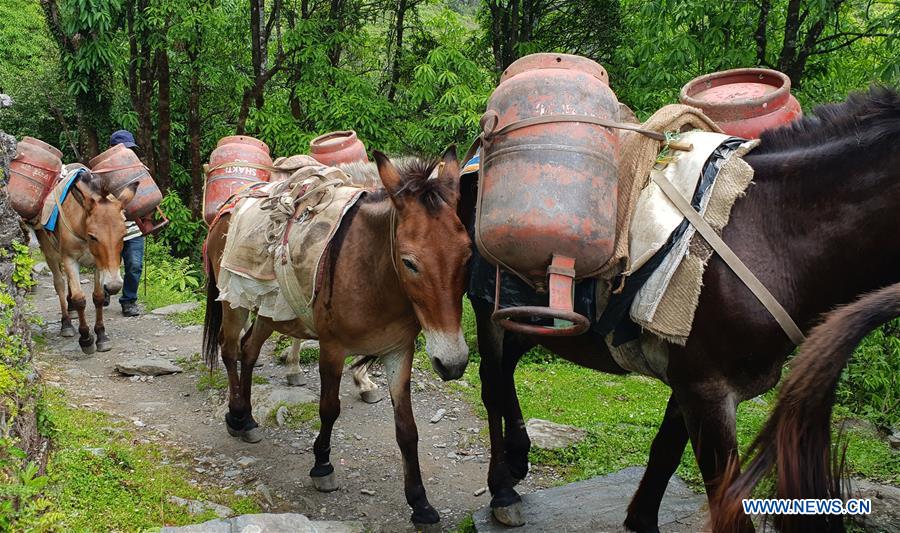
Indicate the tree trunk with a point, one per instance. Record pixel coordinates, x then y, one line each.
164 137
398 49
194 134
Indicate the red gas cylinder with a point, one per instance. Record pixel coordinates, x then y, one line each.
744 101
548 186
119 167
338 147
31 175
236 162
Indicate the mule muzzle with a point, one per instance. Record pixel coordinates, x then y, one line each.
448 352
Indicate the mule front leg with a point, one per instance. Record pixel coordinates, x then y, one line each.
103 343
665 455
78 302
59 285
331 365
398 367
506 504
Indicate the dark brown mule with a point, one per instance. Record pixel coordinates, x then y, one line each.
396 267
796 440
89 231
818 227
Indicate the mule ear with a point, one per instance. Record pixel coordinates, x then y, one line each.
127 193
83 191
390 176
449 171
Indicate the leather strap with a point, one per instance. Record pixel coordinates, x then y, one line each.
731 259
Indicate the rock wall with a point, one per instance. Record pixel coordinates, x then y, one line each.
19 388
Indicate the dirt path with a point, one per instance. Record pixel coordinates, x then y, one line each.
170 409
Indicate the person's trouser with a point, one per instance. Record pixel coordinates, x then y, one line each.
133 260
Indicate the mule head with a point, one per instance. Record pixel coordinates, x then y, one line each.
431 249
103 221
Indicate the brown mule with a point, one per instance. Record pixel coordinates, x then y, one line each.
395 267
89 231
818 227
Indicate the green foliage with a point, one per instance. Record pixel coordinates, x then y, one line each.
870 384
23 263
184 233
169 280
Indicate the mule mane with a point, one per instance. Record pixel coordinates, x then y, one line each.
414 174
866 119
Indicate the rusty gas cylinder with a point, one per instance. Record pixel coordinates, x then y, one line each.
744 101
237 161
338 147
548 181
31 175
119 167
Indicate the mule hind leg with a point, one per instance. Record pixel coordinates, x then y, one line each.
294 376
239 418
709 413
359 371
331 366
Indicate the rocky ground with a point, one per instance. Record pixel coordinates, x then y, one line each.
171 410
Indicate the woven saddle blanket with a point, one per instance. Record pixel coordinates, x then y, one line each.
277 237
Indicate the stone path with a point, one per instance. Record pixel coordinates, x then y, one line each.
599 504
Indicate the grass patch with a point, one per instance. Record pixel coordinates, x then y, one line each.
190 318
299 415
467 525
215 380
101 478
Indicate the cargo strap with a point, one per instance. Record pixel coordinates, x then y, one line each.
490 120
731 259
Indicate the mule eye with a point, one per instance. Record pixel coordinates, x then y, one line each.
411 266
92 237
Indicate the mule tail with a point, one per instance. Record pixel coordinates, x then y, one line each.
796 440
212 322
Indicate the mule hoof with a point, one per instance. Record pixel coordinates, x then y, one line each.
325 483
371 396
104 346
296 380
428 528
251 436
67 331
510 515
89 349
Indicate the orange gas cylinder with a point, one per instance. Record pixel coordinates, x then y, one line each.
744 101
31 175
236 162
119 167
548 186
338 147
